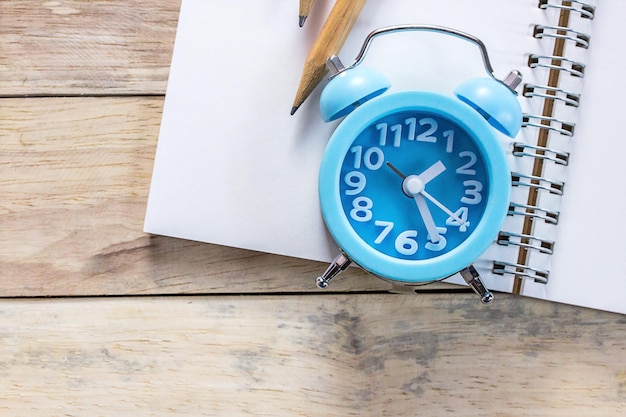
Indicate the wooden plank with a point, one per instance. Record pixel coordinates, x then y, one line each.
74 176
74 181
75 47
310 355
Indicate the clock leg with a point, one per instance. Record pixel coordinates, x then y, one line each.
471 276
338 264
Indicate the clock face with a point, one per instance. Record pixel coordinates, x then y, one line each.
414 186
444 164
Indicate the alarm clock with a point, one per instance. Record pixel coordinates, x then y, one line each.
414 185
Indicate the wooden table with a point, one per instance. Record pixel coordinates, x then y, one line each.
98 318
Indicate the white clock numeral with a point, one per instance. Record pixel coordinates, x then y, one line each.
472 192
441 244
358 154
411 122
382 139
465 169
356 180
426 136
449 135
361 209
462 214
373 158
406 243
397 130
384 129
387 226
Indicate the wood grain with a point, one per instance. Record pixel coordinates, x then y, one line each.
74 47
74 177
310 355
74 180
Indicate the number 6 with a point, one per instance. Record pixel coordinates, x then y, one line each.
405 244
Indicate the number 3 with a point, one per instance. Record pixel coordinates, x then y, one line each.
472 193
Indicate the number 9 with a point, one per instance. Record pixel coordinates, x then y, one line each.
356 180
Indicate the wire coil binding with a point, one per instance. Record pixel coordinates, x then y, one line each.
532 181
585 10
526 241
553 93
546 124
580 39
575 68
540 152
507 268
527 210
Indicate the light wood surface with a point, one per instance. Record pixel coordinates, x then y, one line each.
307 355
74 176
98 318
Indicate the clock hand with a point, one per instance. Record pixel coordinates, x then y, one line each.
396 170
426 176
413 186
427 217
431 173
442 207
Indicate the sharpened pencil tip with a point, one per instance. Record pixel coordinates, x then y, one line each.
302 20
294 109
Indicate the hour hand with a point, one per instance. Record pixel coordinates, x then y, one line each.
428 175
431 173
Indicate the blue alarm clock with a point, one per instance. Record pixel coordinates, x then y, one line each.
414 185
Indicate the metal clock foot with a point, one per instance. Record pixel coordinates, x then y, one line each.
472 277
338 264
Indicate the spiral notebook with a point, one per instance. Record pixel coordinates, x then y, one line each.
234 168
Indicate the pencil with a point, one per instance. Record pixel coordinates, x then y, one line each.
305 9
329 42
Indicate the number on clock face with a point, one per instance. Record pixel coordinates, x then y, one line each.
385 216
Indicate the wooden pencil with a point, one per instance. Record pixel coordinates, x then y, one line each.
329 42
305 9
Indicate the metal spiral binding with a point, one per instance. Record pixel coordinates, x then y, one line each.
547 124
526 241
544 91
575 68
507 268
580 39
549 216
559 158
586 11
552 186
566 129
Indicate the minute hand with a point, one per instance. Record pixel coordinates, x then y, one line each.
430 174
442 207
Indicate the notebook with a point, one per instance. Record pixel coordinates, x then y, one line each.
234 168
